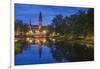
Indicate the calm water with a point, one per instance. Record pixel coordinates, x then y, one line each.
43 50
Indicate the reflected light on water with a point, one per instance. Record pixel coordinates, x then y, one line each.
52 39
50 50
29 40
89 45
36 40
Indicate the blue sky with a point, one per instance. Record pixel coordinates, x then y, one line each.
26 11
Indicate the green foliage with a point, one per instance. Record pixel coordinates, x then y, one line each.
81 23
20 26
18 48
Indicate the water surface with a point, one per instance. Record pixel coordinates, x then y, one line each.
50 50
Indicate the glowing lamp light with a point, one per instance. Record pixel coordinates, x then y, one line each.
29 40
44 31
44 40
31 32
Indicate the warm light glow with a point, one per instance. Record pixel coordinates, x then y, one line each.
36 40
30 32
89 45
44 31
29 40
53 40
37 31
53 34
16 40
44 40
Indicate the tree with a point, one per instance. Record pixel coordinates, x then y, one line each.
20 26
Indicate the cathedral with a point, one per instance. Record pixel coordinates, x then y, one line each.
36 31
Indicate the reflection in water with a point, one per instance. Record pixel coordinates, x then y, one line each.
50 50
38 41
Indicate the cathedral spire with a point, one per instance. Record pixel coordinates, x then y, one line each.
30 25
40 17
30 22
40 22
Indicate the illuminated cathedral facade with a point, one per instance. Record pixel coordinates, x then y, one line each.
37 31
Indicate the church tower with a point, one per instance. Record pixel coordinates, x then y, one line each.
30 25
40 22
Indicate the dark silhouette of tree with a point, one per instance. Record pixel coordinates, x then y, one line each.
19 25
81 23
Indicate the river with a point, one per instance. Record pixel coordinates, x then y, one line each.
52 50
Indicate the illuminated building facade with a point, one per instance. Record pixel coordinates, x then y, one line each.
36 31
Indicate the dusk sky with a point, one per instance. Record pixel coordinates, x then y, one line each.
26 11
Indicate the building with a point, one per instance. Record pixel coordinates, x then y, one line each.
37 30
